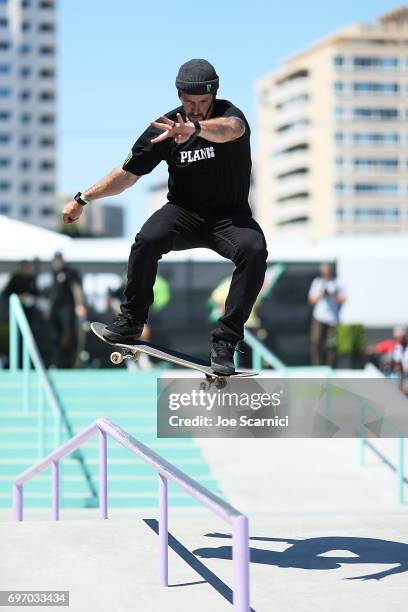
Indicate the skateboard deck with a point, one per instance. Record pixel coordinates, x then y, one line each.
130 351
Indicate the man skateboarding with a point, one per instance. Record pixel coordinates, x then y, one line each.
206 145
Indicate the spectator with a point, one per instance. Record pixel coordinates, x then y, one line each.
327 297
23 283
66 305
387 354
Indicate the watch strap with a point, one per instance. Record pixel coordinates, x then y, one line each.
197 127
79 197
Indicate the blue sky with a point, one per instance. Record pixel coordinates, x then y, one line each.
118 61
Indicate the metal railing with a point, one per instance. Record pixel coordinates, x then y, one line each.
45 395
260 352
400 443
166 471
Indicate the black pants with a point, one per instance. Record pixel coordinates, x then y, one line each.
322 343
236 237
64 335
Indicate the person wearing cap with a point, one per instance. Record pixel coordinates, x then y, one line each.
206 144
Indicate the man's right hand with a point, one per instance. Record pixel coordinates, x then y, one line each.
71 212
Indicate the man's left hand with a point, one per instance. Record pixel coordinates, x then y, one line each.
179 130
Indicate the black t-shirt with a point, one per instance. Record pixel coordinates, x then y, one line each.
207 177
21 284
62 292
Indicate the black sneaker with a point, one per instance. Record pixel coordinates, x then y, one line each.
123 329
222 357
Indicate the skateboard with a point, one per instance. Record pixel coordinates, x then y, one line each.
131 351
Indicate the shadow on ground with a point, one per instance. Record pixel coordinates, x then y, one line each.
308 553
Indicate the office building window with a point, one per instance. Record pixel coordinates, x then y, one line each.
338 60
46 73
5 209
374 163
5 115
376 188
46 50
25 4
3 22
340 213
46 141
47 211
5 162
339 161
372 87
25 141
339 187
25 26
47 188
5 138
25 164
25 211
375 114
25 118
25 95
46 27
46 95
338 86
4 45
47 4
5 185
24 49
339 137
47 119
376 214
47 164
5 68
4 92
25 72
385 63
375 138
25 187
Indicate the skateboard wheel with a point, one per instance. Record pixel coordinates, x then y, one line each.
116 358
221 383
205 385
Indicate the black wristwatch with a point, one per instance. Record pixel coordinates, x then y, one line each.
197 127
78 198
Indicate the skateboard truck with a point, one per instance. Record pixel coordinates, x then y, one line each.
219 381
117 357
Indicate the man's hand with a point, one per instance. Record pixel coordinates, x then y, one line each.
179 130
71 212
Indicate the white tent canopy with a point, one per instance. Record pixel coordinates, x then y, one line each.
371 268
20 240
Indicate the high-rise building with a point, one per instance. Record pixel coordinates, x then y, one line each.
332 133
27 110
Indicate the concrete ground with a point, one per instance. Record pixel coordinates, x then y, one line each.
299 563
326 535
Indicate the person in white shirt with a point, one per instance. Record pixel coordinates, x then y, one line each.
327 296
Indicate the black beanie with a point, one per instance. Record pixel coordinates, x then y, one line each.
197 77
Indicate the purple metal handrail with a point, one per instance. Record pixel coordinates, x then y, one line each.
166 471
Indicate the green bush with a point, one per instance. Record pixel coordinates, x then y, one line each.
350 339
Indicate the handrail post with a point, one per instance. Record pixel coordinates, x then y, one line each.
240 558
163 531
103 476
40 421
55 490
400 470
13 340
18 502
256 359
26 374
